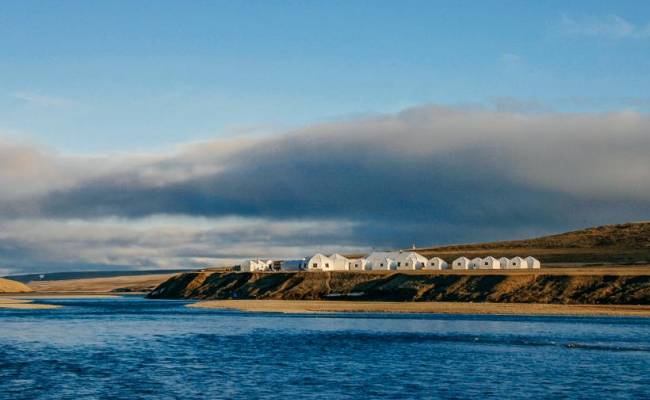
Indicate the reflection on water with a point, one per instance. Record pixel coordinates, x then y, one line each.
126 348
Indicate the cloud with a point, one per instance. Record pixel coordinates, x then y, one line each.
611 26
426 175
32 245
42 100
512 104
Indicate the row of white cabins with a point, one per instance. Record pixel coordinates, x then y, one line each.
388 261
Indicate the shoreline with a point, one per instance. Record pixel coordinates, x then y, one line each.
24 304
335 306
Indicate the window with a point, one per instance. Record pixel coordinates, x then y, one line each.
327 265
486 263
315 265
381 265
399 263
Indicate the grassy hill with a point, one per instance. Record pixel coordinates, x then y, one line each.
620 244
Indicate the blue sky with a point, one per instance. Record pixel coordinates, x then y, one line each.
95 77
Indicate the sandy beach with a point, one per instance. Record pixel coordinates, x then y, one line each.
24 304
291 306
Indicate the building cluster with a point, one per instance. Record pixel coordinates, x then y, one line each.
388 261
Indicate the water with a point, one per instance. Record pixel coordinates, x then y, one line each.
130 348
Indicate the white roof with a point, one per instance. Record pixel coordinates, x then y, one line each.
318 257
337 256
411 254
383 254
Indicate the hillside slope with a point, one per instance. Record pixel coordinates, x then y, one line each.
8 286
508 288
622 243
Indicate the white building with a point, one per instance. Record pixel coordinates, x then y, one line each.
319 262
385 264
533 262
490 262
475 263
504 262
381 261
410 261
358 264
293 265
339 263
437 263
253 266
518 263
461 263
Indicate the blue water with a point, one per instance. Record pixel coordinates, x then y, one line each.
130 348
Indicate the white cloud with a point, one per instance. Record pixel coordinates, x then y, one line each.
43 100
162 241
612 26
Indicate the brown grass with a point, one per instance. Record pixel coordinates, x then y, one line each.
621 243
8 286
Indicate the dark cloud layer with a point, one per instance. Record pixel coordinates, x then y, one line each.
399 167
426 175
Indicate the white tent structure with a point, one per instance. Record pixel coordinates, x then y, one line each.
504 262
339 263
475 263
436 263
381 261
358 264
319 262
518 263
490 262
253 266
410 261
460 263
533 262
385 264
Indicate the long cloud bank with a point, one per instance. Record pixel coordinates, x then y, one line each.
426 175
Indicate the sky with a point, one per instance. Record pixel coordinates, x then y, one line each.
172 134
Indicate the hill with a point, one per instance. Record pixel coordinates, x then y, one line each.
7 286
622 243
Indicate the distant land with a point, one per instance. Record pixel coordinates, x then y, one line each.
114 284
61 276
602 265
